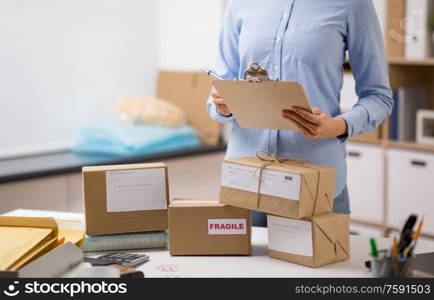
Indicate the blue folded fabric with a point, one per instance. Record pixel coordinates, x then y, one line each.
115 138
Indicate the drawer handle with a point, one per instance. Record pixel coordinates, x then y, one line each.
354 154
418 163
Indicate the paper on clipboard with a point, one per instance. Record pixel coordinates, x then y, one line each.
260 104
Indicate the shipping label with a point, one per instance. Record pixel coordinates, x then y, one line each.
290 236
273 183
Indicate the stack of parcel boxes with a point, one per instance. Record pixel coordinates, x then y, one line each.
297 197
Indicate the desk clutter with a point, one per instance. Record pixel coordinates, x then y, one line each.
29 246
398 261
127 208
298 196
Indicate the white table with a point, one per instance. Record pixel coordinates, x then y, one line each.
257 265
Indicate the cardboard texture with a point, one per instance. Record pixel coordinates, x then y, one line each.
24 239
395 31
100 221
330 241
266 99
190 228
316 192
190 91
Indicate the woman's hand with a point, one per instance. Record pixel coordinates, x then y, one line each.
220 104
316 125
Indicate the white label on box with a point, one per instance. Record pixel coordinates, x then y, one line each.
198 202
273 183
135 190
290 236
240 177
281 184
227 226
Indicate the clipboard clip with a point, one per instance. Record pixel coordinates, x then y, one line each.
255 73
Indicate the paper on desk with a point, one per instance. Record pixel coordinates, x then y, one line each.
16 242
290 236
55 263
135 190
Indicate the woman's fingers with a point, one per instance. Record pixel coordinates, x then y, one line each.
218 101
311 117
215 95
305 131
224 110
311 127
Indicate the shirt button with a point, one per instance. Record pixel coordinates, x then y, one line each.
276 67
284 16
279 39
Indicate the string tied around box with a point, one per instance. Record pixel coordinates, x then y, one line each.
271 159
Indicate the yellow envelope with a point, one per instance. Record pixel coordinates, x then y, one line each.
23 239
71 231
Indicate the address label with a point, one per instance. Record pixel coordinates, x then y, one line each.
273 183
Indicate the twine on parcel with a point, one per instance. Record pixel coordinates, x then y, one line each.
271 159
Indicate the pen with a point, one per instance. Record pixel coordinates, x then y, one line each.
394 248
416 236
407 233
212 74
374 250
418 230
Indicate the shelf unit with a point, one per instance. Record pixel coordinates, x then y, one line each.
398 61
402 72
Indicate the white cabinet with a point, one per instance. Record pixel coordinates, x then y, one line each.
410 187
365 230
366 182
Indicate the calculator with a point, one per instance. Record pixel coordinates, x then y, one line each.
121 258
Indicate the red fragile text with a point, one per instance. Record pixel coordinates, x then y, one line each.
226 226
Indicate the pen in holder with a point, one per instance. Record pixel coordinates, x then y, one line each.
397 262
383 266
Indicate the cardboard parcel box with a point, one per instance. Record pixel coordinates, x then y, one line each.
285 188
190 90
313 242
125 198
205 227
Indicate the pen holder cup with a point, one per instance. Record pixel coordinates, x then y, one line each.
390 268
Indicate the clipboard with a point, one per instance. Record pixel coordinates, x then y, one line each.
259 104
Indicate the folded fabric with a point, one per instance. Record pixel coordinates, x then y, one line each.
126 241
119 139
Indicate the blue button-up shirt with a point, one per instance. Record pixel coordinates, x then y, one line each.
306 41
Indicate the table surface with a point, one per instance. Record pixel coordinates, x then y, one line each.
259 264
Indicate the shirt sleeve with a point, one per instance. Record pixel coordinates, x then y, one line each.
368 64
228 62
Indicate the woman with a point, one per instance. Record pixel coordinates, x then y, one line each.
306 41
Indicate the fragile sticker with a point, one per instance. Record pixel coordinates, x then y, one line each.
227 226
